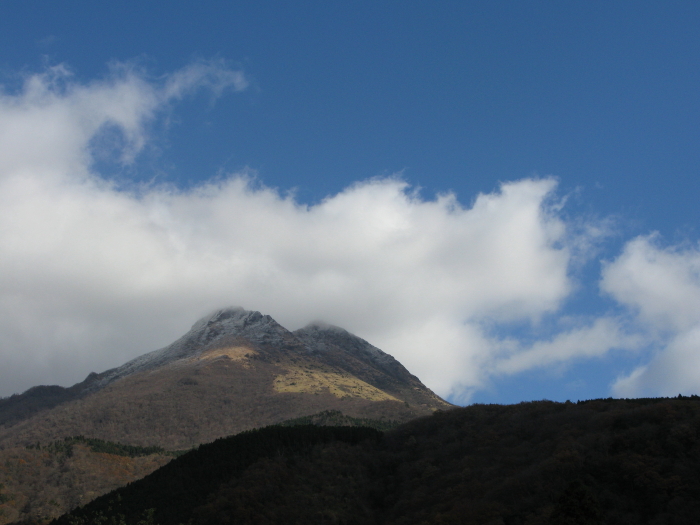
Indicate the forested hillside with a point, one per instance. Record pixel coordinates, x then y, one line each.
601 461
178 490
42 481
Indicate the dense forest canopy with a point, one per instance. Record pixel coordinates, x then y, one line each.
600 461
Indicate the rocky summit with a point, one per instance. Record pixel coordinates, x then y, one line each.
234 370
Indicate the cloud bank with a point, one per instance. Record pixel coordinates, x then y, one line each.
92 275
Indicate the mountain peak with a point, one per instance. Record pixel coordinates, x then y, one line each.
235 315
218 328
321 327
233 370
233 322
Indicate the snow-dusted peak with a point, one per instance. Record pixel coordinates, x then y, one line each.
322 326
222 313
237 322
320 335
226 324
237 326
230 321
323 337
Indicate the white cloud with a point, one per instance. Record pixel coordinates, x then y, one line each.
594 340
662 284
675 370
91 276
662 287
47 128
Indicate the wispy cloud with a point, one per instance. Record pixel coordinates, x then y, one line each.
592 340
48 127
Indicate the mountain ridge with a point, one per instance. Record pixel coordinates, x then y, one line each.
233 370
235 322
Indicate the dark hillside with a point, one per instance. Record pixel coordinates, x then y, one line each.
601 461
185 484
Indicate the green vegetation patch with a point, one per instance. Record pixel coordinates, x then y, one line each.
65 447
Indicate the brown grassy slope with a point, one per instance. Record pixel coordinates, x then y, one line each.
223 391
47 483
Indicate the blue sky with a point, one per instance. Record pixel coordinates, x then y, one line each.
588 111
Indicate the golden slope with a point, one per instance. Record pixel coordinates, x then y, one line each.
314 380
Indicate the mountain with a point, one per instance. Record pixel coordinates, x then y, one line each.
609 461
234 370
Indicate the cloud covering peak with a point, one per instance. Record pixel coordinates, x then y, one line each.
92 275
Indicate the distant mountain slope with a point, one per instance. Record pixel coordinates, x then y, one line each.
18 407
603 461
234 370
